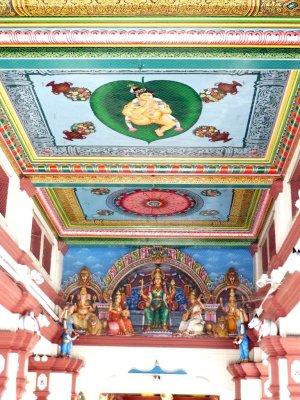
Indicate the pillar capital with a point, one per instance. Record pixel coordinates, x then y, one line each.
62 246
53 364
253 248
276 188
291 347
237 374
284 299
20 342
27 186
264 377
250 370
271 345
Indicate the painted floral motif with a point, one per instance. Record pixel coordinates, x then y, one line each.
211 132
155 202
209 212
100 191
72 93
218 92
211 193
105 213
79 130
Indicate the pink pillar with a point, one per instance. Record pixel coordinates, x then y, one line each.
237 374
291 346
42 384
4 353
54 364
20 342
264 375
271 345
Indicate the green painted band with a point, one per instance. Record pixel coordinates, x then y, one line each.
147 64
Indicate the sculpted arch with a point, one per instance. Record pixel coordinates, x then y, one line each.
144 256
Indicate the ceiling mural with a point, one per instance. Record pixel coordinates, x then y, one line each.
150 114
120 211
154 291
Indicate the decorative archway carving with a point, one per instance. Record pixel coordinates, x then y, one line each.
141 257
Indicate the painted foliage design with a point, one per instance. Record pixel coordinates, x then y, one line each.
121 113
157 291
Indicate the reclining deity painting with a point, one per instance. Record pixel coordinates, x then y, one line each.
156 292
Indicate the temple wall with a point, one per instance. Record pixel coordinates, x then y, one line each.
106 370
281 215
20 210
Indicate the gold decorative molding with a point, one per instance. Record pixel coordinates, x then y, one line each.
140 8
43 8
135 179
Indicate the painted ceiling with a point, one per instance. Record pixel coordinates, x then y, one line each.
102 120
155 211
140 128
205 114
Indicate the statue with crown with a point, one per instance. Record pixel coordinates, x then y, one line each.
156 310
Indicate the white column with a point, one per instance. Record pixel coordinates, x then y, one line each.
251 389
282 215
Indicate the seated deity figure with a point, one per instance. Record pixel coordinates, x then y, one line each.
156 310
82 310
146 109
230 311
220 328
192 322
119 322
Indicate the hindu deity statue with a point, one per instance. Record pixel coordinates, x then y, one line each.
192 322
242 339
82 309
220 328
146 109
230 311
119 322
231 277
156 310
84 276
171 301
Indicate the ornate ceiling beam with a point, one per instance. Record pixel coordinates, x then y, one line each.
240 8
156 37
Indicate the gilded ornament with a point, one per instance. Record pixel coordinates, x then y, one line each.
44 8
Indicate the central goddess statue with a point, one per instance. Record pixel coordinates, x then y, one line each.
156 311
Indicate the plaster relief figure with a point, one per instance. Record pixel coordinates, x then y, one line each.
264 328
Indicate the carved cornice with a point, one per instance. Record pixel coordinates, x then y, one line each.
124 37
271 345
56 364
240 8
18 341
27 186
281 303
147 341
250 369
62 247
